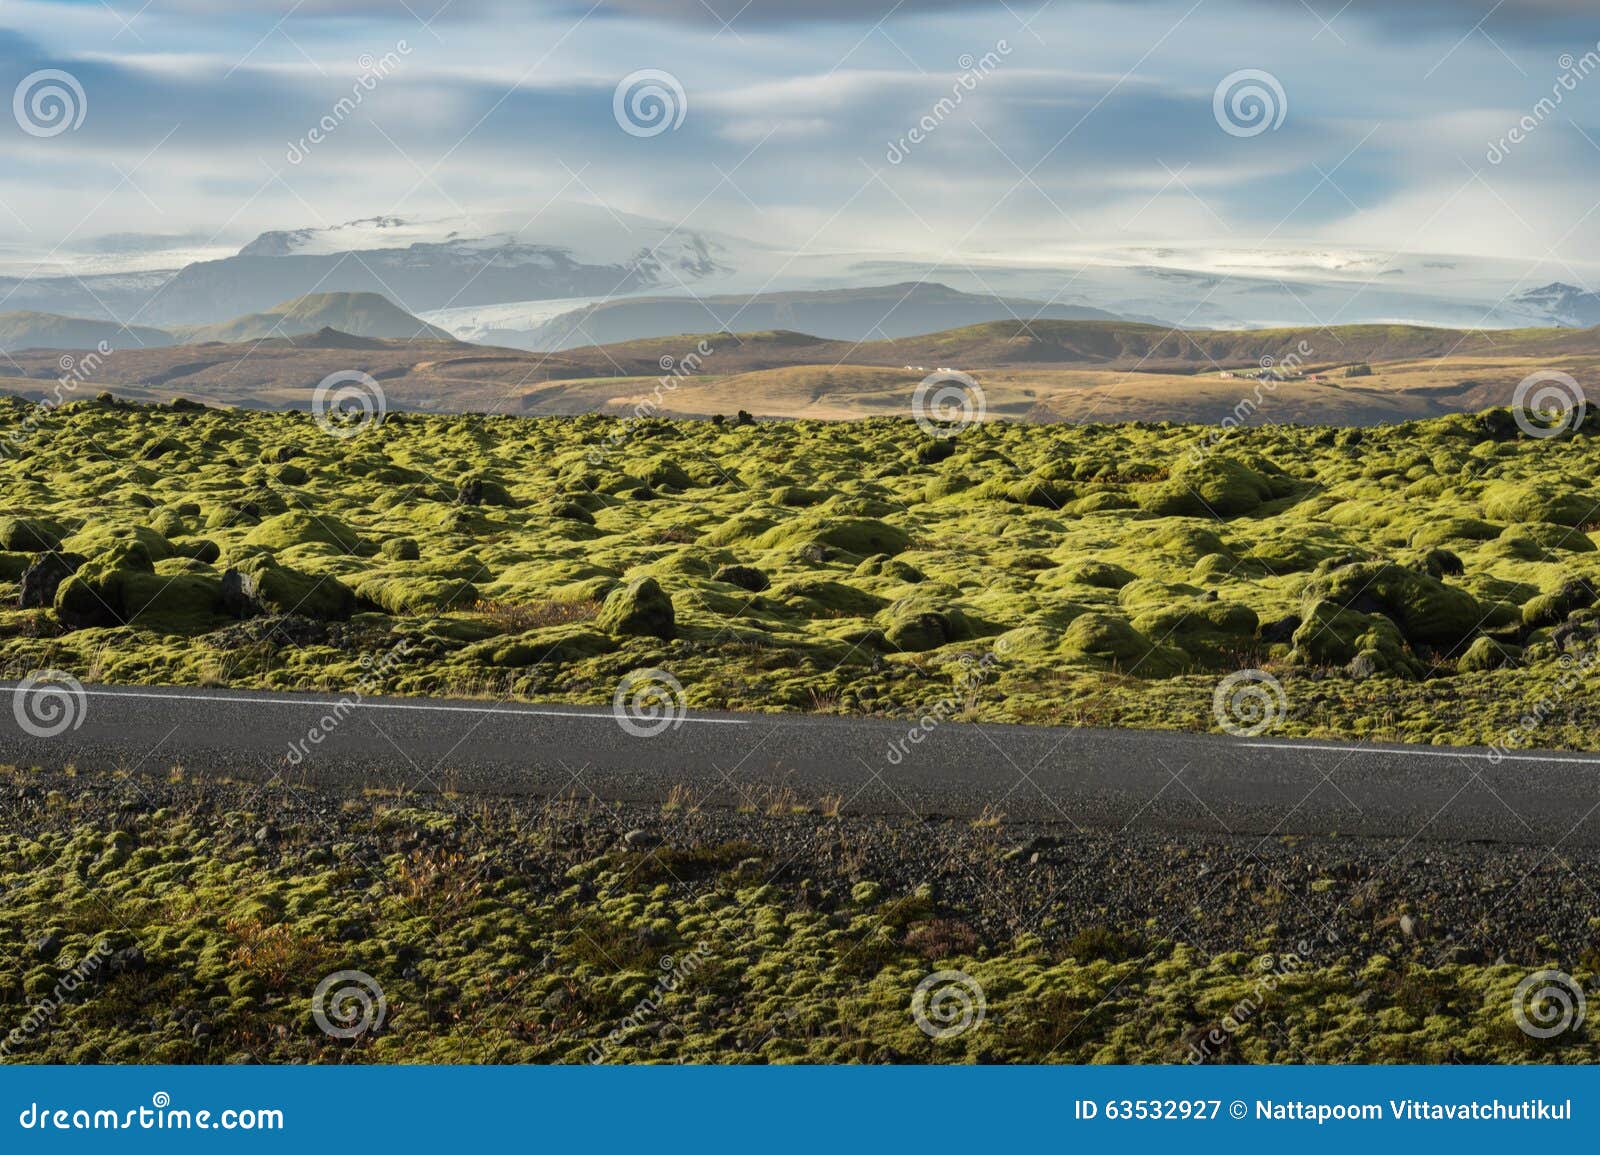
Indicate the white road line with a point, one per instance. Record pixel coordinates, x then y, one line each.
363 705
1421 753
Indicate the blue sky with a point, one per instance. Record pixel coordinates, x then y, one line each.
1093 128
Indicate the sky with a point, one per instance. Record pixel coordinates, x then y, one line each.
1079 127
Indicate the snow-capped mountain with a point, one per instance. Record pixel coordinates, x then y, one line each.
564 251
1564 304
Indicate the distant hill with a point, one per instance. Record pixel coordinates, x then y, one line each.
1043 370
28 330
869 314
1154 347
1124 345
355 314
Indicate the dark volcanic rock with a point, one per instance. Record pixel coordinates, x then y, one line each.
41 579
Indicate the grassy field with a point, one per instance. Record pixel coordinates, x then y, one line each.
1431 580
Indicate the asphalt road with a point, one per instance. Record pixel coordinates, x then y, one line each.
1152 780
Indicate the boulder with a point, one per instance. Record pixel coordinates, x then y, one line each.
746 577
1332 635
640 608
1110 640
1427 611
262 586
1488 654
27 535
44 576
101 593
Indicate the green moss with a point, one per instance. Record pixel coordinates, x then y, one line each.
281 589
299 527
1539 501
641 607
1214 486
782 601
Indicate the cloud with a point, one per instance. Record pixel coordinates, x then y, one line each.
1515 18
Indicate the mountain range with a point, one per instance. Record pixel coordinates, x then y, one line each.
573 274
856 314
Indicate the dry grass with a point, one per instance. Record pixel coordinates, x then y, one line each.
519 617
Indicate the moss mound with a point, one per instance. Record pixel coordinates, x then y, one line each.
1427 611
1540 501
260 585
297 528
1214 486
640 608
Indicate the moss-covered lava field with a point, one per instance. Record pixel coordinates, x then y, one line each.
1431 580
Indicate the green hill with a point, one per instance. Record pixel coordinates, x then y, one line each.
359 314
28 330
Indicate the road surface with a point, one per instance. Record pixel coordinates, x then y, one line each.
1103 779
